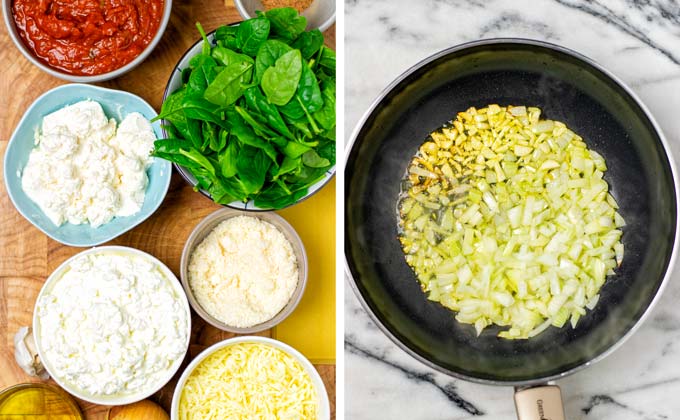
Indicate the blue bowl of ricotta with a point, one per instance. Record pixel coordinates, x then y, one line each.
116 105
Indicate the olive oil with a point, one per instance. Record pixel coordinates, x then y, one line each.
37 402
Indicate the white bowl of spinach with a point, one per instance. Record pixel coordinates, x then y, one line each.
249 113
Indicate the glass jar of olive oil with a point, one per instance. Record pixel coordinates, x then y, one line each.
37 402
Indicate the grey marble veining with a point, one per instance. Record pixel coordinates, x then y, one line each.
639 41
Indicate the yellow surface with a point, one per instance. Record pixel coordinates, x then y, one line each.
311 327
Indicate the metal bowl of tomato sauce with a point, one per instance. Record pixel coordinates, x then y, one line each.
86 40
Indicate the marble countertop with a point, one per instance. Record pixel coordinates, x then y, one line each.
638 40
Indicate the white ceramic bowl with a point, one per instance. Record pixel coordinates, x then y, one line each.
324 406
116 399
321 13
14 34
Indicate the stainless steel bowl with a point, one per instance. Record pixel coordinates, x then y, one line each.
321 14
14 34
206 226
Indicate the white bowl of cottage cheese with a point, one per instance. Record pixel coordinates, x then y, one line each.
79 164
112 325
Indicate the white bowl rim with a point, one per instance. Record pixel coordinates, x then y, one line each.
324 405
13 138
18 42
124 399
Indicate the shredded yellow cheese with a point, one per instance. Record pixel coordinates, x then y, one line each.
249 381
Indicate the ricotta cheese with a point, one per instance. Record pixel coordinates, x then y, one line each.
244 272
84 169
112 324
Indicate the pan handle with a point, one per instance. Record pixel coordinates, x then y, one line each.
539 403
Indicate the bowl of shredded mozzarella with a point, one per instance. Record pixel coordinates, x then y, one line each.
250 377
78 164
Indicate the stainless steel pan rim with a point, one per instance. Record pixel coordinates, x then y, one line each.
676 184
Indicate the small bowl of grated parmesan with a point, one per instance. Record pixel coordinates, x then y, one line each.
244 272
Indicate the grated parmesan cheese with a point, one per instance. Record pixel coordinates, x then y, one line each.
249 381
244 272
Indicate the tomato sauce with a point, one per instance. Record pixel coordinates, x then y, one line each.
87 37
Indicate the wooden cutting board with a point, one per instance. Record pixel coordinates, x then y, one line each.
28 256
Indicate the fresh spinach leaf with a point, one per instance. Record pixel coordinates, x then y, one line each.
211 136
172 112
200 109
279 141
227 36
251 34
288 165
326 150
223 139
226 56
308 90
227 159
260 129
252 166
204 178
313 160
293 111
326 115
247 136
269 52
305 177
169 146
309 43
280 81
220 193
277 196
295 150
197 83
255 100
199 159
228 86
286 23
195 135
225 191
310 120
327 59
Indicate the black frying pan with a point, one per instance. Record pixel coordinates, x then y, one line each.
567 87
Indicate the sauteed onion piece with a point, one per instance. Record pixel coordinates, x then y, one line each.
506 219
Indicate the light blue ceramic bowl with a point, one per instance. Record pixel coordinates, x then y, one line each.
116 104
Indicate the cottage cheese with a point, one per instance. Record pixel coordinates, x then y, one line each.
244 272
84 170
112 324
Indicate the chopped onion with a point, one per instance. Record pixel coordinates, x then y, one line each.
507 220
